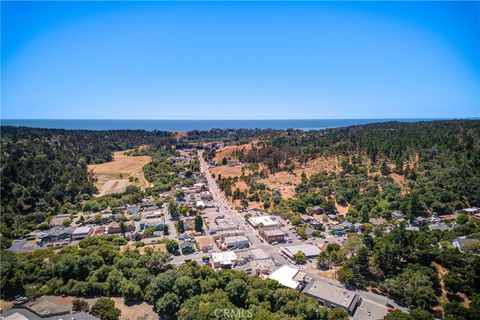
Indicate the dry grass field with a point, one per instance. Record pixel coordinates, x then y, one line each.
113 176
229 150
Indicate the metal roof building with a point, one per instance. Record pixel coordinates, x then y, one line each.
310 250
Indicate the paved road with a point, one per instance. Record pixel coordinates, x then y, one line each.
372 303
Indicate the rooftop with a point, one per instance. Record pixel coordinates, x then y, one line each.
81 230
235 239
224 256
263 220
259 254
273 232
310 250
328 292
288 276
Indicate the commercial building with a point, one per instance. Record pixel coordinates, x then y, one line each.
289 277
262 267
56 235
333 296
263 221
224 259
82 232
309 250
237 242
259 254
271 235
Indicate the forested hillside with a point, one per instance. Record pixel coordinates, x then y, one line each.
436 165
96 267
43 169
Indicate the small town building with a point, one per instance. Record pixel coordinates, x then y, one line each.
237 242
263 221
262 267
308 249
205 243
82 232
56 235
259 254
224 259
152 214
289 277
333 296
271 235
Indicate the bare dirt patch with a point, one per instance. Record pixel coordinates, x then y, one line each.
342 210
229 150
328 274
112 177
228 171
328 164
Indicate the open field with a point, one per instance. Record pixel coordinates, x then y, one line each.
112 177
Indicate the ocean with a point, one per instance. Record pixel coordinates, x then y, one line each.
188 125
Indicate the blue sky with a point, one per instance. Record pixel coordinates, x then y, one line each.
242 60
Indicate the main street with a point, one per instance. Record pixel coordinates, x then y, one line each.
373 305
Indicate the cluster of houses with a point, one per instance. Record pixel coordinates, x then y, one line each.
134 220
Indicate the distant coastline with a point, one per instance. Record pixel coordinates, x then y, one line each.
188 125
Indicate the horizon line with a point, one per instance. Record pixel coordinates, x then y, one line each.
245 119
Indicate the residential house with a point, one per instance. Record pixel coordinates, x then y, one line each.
466 245
187 247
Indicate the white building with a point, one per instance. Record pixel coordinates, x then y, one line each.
310 250
224 259
263 221
289 277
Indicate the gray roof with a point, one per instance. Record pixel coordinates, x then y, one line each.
331 294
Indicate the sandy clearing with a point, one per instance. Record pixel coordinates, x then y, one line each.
113 176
